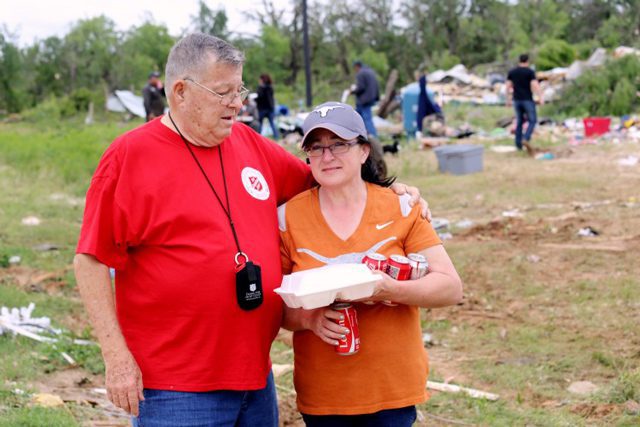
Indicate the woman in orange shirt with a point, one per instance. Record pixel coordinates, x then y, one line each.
349 214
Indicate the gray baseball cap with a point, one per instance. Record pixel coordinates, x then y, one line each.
337 117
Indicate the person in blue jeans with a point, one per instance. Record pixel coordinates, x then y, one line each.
266 104
522 82
367 94
213 408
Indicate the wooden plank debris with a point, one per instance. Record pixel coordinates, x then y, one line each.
452 388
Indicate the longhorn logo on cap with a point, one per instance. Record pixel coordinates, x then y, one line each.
325 110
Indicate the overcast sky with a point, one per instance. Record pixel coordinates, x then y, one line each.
32 19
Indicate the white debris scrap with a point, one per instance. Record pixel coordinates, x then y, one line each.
31 221
21 317
18 321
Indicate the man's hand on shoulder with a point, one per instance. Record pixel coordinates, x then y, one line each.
400 189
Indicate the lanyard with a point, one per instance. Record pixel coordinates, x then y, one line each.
227 209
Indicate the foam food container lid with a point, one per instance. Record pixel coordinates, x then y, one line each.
319 287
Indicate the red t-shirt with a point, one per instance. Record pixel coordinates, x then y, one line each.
151 215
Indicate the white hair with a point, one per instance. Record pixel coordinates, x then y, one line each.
193 53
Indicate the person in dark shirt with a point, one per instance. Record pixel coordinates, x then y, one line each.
266 104
521 81
153 95
367 94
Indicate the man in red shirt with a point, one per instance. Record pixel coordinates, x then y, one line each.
184 209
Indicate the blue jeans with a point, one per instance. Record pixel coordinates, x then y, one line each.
269 114
164 408
367 117
401 417
523 108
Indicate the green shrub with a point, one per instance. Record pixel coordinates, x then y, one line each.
555 53
622 98
603 91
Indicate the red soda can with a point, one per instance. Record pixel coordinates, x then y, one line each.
351 343
375 261
399 267
419 265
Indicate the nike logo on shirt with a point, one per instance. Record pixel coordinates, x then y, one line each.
381 226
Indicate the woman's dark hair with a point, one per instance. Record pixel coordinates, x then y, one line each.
374 169
266 79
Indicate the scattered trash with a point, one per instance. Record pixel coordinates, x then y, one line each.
465 223
440 223
451 388
427 339
31 221
533 258
68 358
45 247
630 203
503 149
503 333
544 156
47 400
632 407
628 161
18 321
513 213
588 232
445 236
15 260
583 388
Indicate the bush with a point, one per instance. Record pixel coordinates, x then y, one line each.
607 90
555 53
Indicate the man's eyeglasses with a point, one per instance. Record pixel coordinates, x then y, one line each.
317 150
227 98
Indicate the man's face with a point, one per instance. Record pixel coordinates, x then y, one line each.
206 117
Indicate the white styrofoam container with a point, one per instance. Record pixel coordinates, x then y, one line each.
319 287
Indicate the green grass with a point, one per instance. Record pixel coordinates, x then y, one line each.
37 417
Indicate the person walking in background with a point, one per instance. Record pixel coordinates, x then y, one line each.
426 107
266 104
367 94
249 113
153 95
522 82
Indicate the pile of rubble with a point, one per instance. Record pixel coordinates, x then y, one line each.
459 84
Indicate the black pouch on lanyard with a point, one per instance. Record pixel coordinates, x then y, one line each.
248 285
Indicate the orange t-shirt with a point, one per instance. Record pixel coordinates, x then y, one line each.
390 370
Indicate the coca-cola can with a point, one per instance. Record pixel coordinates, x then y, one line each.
351 342
399 267
375 261
419 265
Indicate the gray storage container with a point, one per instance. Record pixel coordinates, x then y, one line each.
459 159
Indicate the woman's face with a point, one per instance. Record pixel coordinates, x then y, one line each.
337 168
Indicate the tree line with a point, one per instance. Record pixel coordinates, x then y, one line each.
94 58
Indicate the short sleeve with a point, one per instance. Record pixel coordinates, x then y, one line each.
291 175
104 224
285 257
421 235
